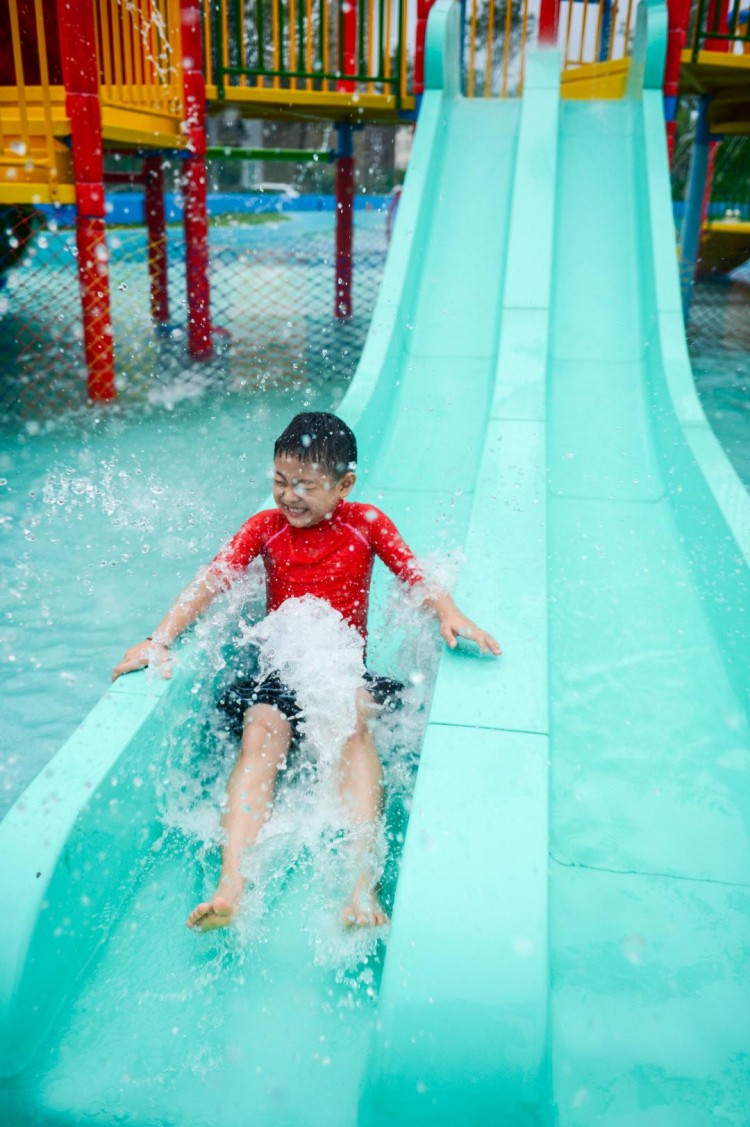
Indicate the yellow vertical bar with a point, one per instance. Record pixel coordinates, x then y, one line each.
101 11
370 43
583 29
275 35
308 42
599 8
116 50
44 82
207 42
128 49
404 52
387 46
612 26
568 28
157 79
15 36
243 49
292 42
627 26
506 46
490 36
326 50
524 35
472 46
137 41
225 38
174 55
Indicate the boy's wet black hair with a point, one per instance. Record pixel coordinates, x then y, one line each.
320 438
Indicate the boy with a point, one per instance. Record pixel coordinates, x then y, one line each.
314 542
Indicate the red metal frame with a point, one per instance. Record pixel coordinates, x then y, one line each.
194 178
549 22
78 54
348 45
423 11
344 223
679 17
156 227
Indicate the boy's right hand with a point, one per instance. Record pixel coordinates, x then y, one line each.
146 653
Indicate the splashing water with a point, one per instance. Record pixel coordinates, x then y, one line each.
321 658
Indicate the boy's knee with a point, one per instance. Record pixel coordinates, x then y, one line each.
267 722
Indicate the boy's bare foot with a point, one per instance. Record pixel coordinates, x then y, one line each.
364 909
211 914
221 909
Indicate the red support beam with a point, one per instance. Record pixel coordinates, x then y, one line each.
344 222
423 11
549 22
348 45
156 228
194 183
678 19
81 77
717 20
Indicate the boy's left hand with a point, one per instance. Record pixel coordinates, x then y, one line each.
455 625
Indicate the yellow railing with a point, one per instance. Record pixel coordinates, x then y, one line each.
140 69
138 45
589 33
29 109
304 46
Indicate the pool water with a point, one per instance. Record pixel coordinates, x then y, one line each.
107 513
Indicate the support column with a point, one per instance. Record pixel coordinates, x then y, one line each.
344 221
549 22
678 18
80 73
348 48
605 32
194 183
691 223
156 228
423 11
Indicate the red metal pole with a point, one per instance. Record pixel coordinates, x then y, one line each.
157 238
344 222
423 11
549 22
717 19
678 19
78 52
194 180
348 44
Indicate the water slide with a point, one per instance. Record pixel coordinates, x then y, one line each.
570 928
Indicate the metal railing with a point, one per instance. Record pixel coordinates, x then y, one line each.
138 46
720 25
29 64
499 32
315 46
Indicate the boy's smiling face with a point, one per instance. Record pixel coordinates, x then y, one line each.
304 492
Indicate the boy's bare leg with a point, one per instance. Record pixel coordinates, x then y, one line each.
361 788
265 742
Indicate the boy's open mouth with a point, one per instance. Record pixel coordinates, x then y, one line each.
295 512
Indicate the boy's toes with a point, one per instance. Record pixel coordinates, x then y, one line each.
211 914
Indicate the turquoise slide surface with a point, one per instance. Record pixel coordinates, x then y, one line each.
572 916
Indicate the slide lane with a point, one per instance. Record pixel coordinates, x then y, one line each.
145 1022
648 614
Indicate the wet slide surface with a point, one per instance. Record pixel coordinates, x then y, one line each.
169 1027
571 919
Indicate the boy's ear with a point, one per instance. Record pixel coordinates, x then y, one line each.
346 483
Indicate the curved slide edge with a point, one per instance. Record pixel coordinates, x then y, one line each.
89 799
713 507
463 1020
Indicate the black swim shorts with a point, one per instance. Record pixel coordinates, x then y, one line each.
236 700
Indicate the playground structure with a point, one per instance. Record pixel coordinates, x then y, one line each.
86 78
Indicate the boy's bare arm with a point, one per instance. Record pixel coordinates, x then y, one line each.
183 612
455 624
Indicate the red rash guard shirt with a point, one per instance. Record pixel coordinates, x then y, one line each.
332 560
